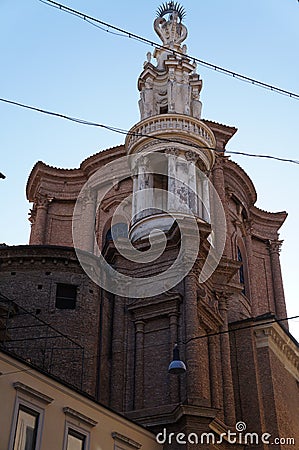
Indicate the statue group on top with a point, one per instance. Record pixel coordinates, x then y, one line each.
172 86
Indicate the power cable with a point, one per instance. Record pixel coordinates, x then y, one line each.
258 321
246 327
130 35
127 132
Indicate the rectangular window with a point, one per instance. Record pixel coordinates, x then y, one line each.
75 440
26 429
66 295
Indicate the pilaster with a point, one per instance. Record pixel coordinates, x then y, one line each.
227 379
280 307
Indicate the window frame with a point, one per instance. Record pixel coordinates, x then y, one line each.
77 430
26 405
60 297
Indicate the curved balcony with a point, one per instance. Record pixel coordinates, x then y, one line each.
168 126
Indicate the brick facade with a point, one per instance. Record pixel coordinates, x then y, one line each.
233 374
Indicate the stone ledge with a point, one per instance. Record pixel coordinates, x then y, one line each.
271 335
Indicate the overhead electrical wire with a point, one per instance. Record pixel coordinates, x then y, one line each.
246 327
219 333
121 32
127 132
259 322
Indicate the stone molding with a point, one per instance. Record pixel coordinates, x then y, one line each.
80 417
237 181
161 306
125 440
32 393
272 336
166 124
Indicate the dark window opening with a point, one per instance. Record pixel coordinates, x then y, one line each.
164 109
161 184
66 295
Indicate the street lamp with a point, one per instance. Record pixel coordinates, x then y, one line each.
176 367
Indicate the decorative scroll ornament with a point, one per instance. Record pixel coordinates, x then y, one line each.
171 32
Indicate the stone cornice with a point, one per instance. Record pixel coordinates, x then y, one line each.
224 272
266 224
75 415
163 305
222 133
168 414
274 337
43 173
40 254
29 392
45 178
94 162
125 440
239 183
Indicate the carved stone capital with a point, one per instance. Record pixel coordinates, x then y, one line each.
274 246
191 156
222 298
42 201
139 324
172 151
218 161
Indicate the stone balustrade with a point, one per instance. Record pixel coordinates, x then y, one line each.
169 124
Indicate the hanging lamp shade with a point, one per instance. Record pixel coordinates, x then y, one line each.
176 367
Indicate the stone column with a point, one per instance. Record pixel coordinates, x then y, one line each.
182 185
118 354
144 201
195 349
139 364
39 227
219 185
280 306
134 199
88 220
205 200
200 195
252 284
192 158
174 380
215 398
227 379
172 155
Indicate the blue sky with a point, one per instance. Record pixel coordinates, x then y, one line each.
55 61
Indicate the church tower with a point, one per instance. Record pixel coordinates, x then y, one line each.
153 244
173 149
